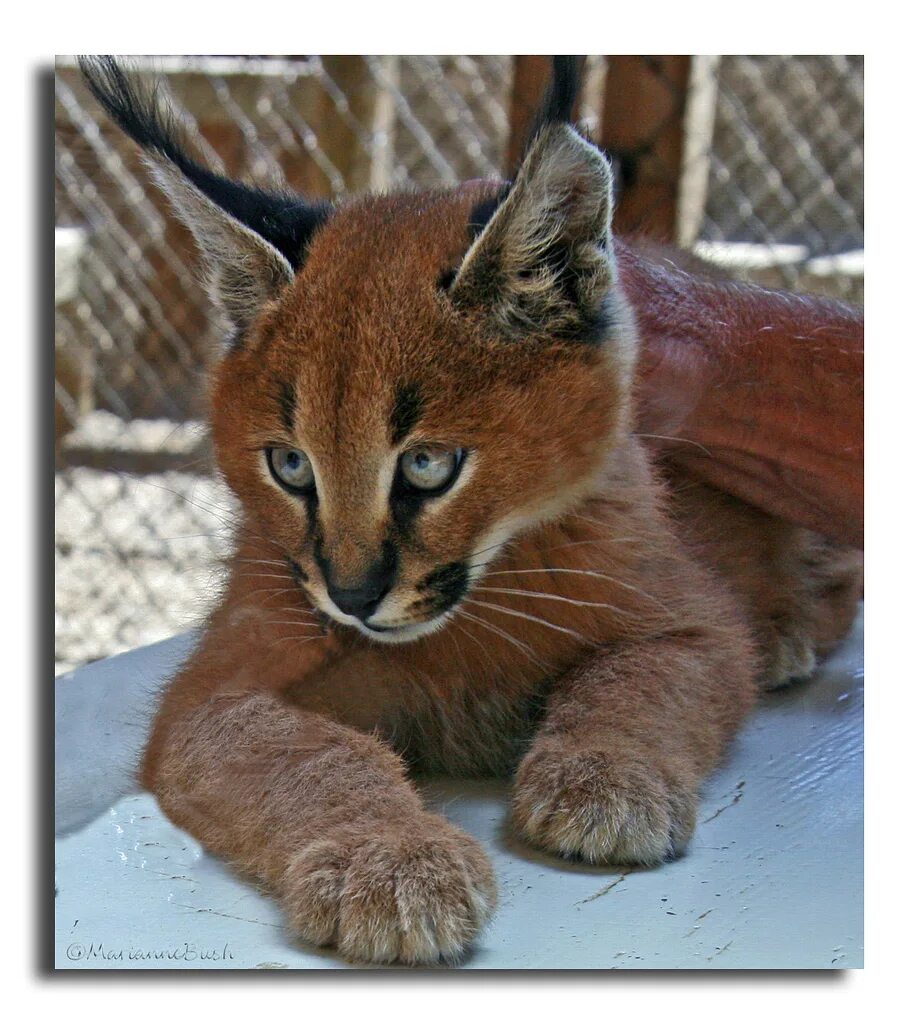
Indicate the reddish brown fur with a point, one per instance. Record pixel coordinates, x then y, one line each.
761 391
641 632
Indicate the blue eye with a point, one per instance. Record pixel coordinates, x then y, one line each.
291 468
429 469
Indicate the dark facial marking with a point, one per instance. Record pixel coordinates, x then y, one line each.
313 526
446 585
287 400
404 509
296 568
405 502
406 412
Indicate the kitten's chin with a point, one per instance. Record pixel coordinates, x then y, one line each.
382 634
401 634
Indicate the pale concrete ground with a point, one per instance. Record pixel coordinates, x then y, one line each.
773 878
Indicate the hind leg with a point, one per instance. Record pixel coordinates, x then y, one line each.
800 592
806 605
788 653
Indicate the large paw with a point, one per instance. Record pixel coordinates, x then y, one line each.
415 892
789 657
591 805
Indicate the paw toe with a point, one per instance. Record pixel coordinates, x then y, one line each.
586 805
416 896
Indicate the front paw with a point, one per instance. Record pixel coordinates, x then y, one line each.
602 808
414 892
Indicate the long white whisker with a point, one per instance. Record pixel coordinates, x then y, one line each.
595 540
219 512
606 525
295 640
309 613
265 576
532 618
556 597
478 643
225 518
501 543
681 440
265 591
519 644
291 622
526 572
584 572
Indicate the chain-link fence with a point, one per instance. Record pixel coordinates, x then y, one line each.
753 162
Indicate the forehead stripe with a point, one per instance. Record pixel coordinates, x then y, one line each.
406 412
287 399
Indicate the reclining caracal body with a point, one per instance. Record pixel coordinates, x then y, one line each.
454 553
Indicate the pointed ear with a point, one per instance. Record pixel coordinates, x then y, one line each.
252 240
543 265
243 270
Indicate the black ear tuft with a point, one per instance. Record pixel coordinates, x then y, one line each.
558 103
285 221
557 107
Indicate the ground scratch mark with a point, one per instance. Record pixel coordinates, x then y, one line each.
234 917
721 949
606 888
738 794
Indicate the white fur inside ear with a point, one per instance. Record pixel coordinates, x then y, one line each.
545 259
243 270
566 176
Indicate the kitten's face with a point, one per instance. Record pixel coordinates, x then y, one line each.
389 441
387 429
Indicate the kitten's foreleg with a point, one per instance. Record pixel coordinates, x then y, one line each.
324 815
614 772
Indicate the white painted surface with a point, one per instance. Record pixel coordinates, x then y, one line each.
773 878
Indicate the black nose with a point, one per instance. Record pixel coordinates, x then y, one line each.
360 601
364 599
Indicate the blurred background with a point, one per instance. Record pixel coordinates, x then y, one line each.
754 163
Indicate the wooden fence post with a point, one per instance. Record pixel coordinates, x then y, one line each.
641 127
530 76
372 107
